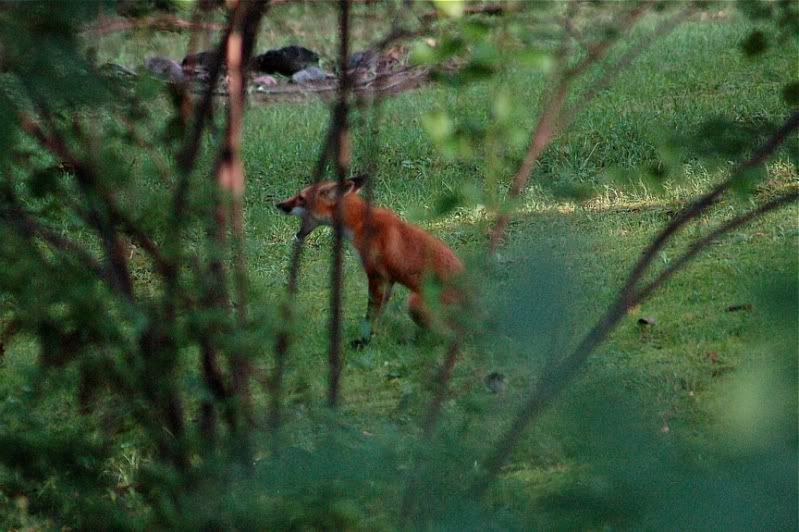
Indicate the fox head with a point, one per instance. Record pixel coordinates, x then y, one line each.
316 203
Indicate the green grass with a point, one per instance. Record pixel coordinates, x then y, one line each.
561 267
693 75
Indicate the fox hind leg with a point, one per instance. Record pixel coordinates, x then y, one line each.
379 294
418 311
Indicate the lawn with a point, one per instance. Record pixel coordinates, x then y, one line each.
672 385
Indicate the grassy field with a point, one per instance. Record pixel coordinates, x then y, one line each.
561 265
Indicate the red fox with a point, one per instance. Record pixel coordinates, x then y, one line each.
391 250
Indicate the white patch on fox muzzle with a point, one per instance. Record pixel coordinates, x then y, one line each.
297 211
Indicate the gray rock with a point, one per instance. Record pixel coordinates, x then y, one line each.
495 382
165 69
309 75
264 81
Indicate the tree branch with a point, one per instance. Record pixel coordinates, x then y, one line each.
612 72
700 245
341 148
86 179
548 125
553 381
230 181
27 226
283 338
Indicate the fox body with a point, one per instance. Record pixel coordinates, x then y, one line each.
391 250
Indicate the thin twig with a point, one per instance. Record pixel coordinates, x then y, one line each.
595 52
612 72
552 382
86 179
26 225
187 158
341 148
410 497
548 124
283 337
700 204
230 180
701 244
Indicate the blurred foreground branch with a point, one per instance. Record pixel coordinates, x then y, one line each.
558 376
230 180
553 118
341 159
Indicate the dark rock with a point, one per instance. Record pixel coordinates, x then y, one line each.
287 61
165 69
309 75
202 60
197 74
495 382
197 67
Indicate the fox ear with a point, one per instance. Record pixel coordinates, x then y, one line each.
351 186
356 183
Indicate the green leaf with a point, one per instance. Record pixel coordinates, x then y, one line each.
448 202
790 93
574 191
536 60
485 54
475 30
503 106
423 54
44 182
450 8
755 44
747 181
365 328
438 125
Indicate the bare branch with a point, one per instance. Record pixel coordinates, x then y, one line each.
612 71
548 124
283 338
26 225
596 51
203 112
703 202
554 380
341 149
411 496
230 180
86 179
701 244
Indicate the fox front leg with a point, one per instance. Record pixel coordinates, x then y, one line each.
379 294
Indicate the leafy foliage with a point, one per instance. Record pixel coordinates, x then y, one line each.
118 269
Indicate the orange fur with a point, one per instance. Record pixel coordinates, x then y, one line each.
391 250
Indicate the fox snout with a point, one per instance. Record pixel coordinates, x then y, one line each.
285 206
